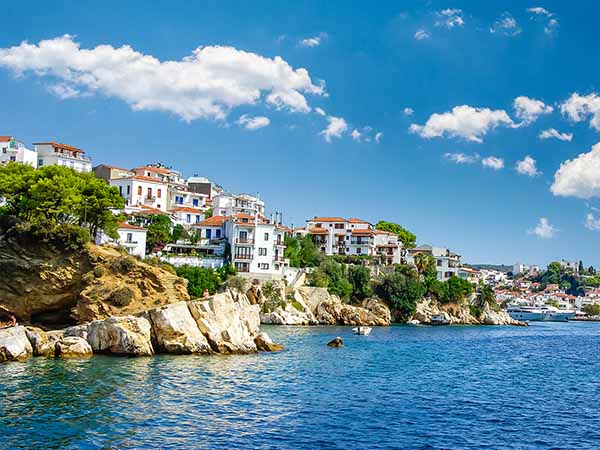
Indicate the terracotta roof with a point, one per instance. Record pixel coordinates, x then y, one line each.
214 221
327 219
153 169
386 233
112 167
143 178
5 138
59 145
150 210
317 231
243 216
187 209
128 226
354 220
363 232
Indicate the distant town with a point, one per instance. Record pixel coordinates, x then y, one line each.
218 227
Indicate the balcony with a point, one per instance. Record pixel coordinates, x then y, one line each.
130 243
362 243
242 256
244 241
150 198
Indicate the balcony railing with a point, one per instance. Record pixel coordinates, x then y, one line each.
150 197
243 269
244 241
357 242
242 256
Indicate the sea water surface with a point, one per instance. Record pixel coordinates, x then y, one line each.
401 387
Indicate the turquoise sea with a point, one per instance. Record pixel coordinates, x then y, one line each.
402 387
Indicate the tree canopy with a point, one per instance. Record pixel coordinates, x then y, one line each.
409 240
302 252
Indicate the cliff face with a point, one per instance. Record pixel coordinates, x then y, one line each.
50 286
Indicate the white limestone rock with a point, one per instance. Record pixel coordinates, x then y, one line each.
14 345
127 335
72 347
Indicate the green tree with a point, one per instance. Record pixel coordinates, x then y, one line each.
302 252
200 278
334 276
456 290
401 292
408 239
179 232
591 310
581 268
208 213
159 231
486 297
360 278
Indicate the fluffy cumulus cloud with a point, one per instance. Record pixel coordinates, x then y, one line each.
579 177
579 107
320 111
543 229
206 84
538 10
314 41
464 122
527 166
592 222
551 22
529 109
336 127
422 34
554 133
253 123
450 18
408 111
506 25
493 162
356 135
462 158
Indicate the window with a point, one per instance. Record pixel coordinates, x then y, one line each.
208 233
262 251
263 266
158 193
439 262
218 233
128 189
121 191
149 192
40 162
139 190
339 226
358 251
188 218
129 237
197 219
4 150
13 158
243 235
195 202
266 236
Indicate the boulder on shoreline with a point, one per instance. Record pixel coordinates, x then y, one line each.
72 347
127 335
336 342
40 342
265 344
14 344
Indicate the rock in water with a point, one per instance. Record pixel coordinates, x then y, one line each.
72 347
40 342
265 344
14 345
176 330
127 335
230 326
336 342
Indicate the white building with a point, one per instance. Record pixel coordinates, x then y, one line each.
139 191
339 236
226 204
13 150
447 263
131 237
53 153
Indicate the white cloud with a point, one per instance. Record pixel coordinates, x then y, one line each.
543 230
408 111
253 123
63 91
529 109
206 84
579 177
462 158
464 122
378 136
314 41
506 25
422 34
319 111
592 223
493 162
551 26
356 135
579 107
553 133
527 166
336 127
539 11
450 18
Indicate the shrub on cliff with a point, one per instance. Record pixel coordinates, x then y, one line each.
121 296
456 290
401 292
200 278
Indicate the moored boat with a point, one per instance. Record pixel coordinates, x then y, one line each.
544 313
363 331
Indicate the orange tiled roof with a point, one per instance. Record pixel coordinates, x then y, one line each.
150 210
154 169
186 209
327 219
317 231
243 216
355 220
214 221
363 232
128 226
5 138
386 233
59 145
144 178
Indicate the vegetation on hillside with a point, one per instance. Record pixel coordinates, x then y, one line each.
200 278
408 239
302 252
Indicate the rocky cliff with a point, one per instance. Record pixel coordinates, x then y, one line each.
52 286
461 315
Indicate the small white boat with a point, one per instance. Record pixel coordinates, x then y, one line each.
363 331
413 322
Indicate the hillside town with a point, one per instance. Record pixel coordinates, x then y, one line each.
220 227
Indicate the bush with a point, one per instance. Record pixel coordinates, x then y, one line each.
456 290
475 311
121 296
98 271
123 264
88 277
236 282
400 292
296 304
199 279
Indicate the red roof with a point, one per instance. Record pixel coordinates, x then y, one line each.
363 232
354 220
187 209
154 169
143 178
128 226
327 219
5 138
214 221
59 145
317 230
150 210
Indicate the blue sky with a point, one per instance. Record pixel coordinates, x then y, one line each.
457 65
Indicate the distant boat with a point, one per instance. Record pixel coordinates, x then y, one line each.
539 314
439 319
363 331
413 322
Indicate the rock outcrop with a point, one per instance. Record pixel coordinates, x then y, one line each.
294 312
14 345
229 325
265 344
72 347
176 331
127 335
336 342
53 286
461 315
40 342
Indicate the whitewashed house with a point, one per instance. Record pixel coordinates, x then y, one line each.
226 204
131 237
447 263
140 190
53 153
13 150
